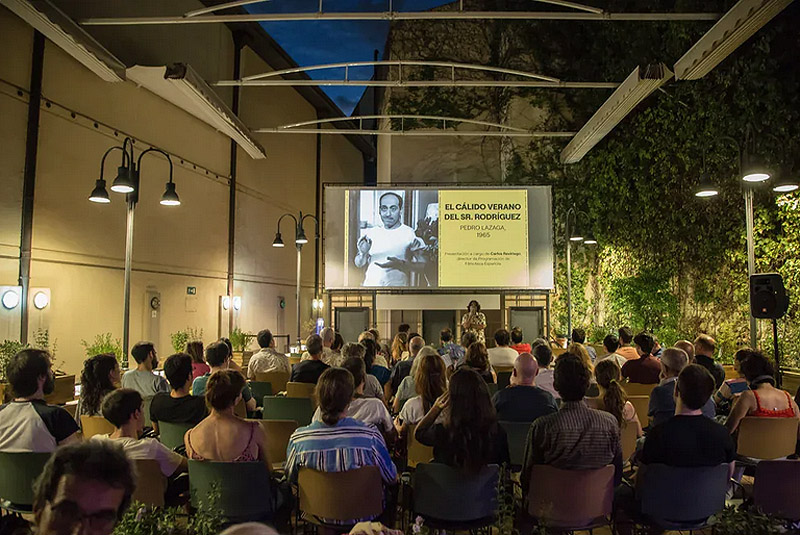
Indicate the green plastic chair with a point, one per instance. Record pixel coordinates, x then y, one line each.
281 408
260 390
517 433
472 507
19 471
171 434
492 388
503 380
244 490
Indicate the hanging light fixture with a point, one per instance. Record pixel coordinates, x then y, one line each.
706 189
301 235
99 193
278 241
754 169
124 181
590 240
170 197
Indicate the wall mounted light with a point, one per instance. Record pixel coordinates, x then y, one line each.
41 300
226 302
237 303
10 299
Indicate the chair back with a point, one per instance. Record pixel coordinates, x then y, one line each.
278 434
628 439
638 389
245 490
300 390
150 483
435 497
278 380
517 433
503 378
280 408
146 402
95 425
259 390
171 434
240 409
341 495
417 452
63 390
641 404
775 491
294 359
19 471
767 438
701 492
571 499
492 388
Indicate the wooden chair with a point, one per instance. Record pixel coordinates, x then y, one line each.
95 425
278 434
278 380
146 411
63 391
775 491
767 438
417 453
638 389
294 359
571 500
19 471
150 483
302 390
340 496
628 439
641 404
240 409
730 373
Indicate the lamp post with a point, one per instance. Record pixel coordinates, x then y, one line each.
127 182
299 240
752 171
573 235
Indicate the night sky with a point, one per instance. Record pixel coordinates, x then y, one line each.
318 42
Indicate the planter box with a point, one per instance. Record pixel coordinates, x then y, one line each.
791 381
242 358
64 391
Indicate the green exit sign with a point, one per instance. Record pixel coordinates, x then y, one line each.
191 290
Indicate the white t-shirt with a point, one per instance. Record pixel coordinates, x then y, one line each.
502 357
407 388
413 411
544 380
371 411
619 359
147 448
385 243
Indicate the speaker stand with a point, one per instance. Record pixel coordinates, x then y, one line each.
775 349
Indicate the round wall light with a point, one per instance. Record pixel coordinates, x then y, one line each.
237 303
41 300
10 299
226 302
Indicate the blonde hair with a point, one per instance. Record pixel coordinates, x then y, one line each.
579 350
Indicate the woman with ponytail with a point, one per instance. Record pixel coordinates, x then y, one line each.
612 397
100 376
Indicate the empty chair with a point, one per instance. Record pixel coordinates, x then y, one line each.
278 434
449 498
628 439
340 496
775 490
171 434
680 497
280 408
278 380
19 471
517 433
95 425
766 438
300 390
244 489
571 500
259 390
150 483
641 404
503 378
638 389
417 452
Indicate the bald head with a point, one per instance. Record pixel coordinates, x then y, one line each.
673 360
525 370
328 336
687 346
415 344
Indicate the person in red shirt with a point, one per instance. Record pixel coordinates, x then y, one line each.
516 341
647 368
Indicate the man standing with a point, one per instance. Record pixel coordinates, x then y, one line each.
386 250
267 359
178 407
502 356
309 371
142 379
522 400
662 398
704 347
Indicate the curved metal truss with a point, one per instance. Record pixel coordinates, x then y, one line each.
528 79
447 127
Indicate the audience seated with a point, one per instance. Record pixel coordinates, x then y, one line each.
763 400
516 341
478 359
687 346
28 423
142 379
646 369
267 359
219 359
229 348
407 390
337 443
379 371
372 387
336 347
179 406
544 358
579 337
100 376
611 344
469 436
87 484
402 369
223 436
429 383
329 356
502 356
371 411
626 349
704 347
612 397
199 366
731 387
576 437
522 400
309 370
662 399
399 347
452 353
579 350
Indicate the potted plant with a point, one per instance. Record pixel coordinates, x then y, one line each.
240 341
104 343
179 339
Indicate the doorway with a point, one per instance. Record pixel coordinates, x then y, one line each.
433 321
530 320
351 322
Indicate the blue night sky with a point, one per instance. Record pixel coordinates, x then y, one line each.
318 42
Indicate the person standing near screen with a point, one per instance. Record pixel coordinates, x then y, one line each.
386 250
474 321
